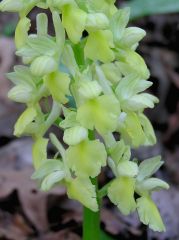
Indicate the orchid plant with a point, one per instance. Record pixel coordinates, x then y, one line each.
96 82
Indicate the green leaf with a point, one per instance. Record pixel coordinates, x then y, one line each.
141 8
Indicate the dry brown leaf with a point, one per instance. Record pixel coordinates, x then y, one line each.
7 49
13 227
62 235
15 174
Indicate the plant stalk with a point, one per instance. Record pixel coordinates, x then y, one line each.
91 221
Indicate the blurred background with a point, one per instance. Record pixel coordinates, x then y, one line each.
25 212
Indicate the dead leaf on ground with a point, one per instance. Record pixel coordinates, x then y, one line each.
9 113
15 174
13 226
7 49
168 203
62 235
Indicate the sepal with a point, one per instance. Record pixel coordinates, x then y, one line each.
127 169
50 172
43 65
148 167
118 23
149 214
151 184
131 62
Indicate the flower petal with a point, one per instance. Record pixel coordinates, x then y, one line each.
98 46
86 158
149 214
84 191
58 85
101 113
121 193
74 21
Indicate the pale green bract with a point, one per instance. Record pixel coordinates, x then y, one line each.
90 87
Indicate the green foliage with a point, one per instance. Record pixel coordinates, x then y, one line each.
105 78
141 8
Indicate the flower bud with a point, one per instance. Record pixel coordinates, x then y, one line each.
24 120
90 89
75 135
21 94
11 5
43 65
97 21
21 33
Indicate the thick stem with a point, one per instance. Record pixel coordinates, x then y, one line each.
91 221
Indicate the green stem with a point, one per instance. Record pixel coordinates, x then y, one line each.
91 221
